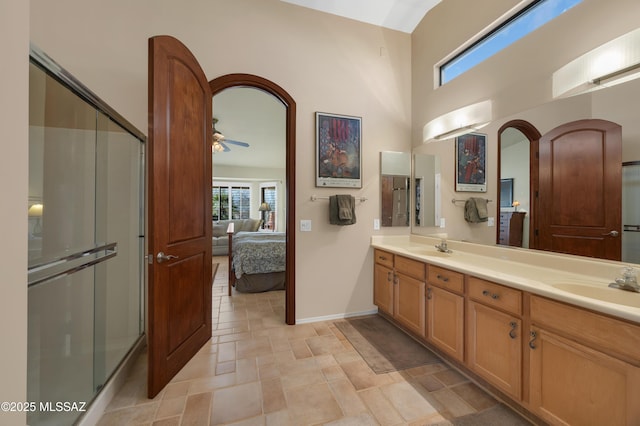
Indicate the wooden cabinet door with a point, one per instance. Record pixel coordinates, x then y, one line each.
494 347
383 288
409 307
575 385
445 321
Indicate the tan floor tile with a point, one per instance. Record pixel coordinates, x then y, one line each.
408 401
171 407
273 396
332 373
347 397
280 418
450 377
454 405
429 382
362 377
132 415
226 352
300 348
362 419
174 390
380 406
253 347
212 383
313 404
171 421
199 366
236 403
197 409
246 370
474 396
304 378
327 344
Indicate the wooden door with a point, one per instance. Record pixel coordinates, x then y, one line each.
572 384
581 189
179 210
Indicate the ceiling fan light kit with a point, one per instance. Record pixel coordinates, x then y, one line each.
220 141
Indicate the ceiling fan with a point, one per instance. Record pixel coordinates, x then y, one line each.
220 142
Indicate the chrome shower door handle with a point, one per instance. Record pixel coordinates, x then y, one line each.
161 257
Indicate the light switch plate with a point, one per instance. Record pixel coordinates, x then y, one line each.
305 225
442 222
376 224
491 221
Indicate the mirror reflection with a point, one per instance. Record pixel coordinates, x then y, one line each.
426 178
514 182
395 171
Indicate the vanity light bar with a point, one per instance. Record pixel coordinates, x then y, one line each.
614 62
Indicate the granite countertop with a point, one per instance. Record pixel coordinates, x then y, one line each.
576 280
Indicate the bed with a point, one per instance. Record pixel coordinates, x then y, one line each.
257 261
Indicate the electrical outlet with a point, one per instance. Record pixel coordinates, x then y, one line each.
305 225
376 224
491 221
442 222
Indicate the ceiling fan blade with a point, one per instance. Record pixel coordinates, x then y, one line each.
237 142
226 148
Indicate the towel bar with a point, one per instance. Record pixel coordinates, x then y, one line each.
456 200
314 198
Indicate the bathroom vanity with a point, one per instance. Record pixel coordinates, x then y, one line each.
541 331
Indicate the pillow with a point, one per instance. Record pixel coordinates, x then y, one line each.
251 225
219 230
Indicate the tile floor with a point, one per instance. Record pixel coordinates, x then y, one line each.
256 370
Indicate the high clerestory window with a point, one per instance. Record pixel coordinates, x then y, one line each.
525 21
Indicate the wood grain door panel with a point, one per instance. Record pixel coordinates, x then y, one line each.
179 210
581 189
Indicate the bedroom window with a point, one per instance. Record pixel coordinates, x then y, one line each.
502 35
231 202
269 196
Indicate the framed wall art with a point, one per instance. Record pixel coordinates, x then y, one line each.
338 151
471 164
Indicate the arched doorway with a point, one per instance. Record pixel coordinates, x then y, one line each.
248 80
529 133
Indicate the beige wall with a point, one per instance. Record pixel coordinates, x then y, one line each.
518 81
14 86
326 64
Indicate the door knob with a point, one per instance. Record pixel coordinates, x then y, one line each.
611 233
161 257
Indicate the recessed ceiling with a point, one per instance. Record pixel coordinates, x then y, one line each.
401 15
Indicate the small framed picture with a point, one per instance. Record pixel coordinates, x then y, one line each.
338 151
471 150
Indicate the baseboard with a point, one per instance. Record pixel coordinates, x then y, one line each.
335 317
101 401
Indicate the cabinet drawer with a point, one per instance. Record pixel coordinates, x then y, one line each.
383 258
496 295
444 278
410 267
609 335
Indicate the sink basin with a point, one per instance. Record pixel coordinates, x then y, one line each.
428 251
604 294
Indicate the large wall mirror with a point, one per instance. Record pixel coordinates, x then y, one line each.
395 173
426 184
518 139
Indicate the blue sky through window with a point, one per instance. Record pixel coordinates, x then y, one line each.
526 21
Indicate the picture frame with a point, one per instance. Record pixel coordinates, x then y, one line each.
471 158
338 151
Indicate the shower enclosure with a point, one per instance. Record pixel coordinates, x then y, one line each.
86 242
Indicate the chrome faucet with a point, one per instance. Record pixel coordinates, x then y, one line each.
628 281
442 247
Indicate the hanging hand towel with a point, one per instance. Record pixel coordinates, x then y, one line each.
475 210
342 210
